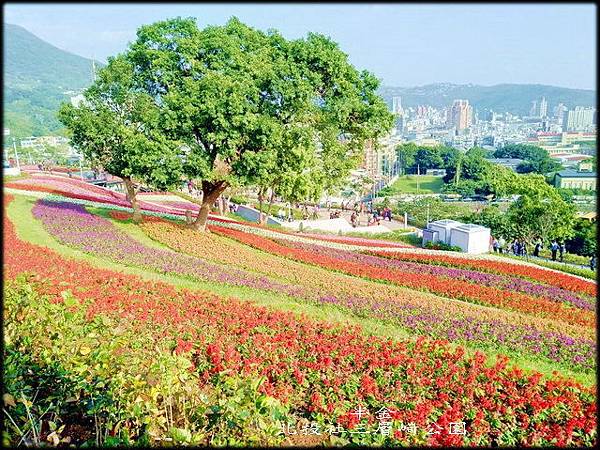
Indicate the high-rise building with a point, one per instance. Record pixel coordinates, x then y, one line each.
543 107
559 111
422 111
579 119
460 115
533 110
397 105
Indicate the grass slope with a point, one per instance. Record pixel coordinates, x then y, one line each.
29 229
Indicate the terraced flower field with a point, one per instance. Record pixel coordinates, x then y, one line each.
250 336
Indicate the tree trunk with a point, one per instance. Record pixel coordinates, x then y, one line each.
265 218
260 204
211 192
458 170
131 196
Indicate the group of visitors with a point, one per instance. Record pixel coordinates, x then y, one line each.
498 244
519 247
387 213
375 219
334 214
194 190
45 166
380 214
314 215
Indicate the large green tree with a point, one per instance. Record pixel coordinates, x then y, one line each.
583 241
116 129
235 95
428 158
406 154
468 172
536 159
496 220
546 216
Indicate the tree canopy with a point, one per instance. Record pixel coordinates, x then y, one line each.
536 159
243 101
230 106
116 128
411 155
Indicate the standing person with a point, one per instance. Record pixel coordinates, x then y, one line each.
524 248
593 262
501 244
554 249
561 250
315 212
353 219
495 245
537 248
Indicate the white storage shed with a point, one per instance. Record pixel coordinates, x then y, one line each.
474 239
443 228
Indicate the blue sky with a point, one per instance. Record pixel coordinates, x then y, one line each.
403 44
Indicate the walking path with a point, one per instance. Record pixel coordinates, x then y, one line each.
533 259
363 220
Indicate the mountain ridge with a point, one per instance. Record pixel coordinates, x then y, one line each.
509 97
38 76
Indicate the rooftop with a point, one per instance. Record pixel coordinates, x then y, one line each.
570 173
505 160
469 227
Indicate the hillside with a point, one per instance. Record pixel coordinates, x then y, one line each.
514 98
36 77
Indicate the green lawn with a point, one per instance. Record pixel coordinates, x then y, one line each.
407 184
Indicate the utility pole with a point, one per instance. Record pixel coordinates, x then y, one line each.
81 166
418 174
16 153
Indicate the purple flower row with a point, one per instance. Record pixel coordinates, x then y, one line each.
73 225
501 281
575 353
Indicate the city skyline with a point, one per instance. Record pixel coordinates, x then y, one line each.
404 45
